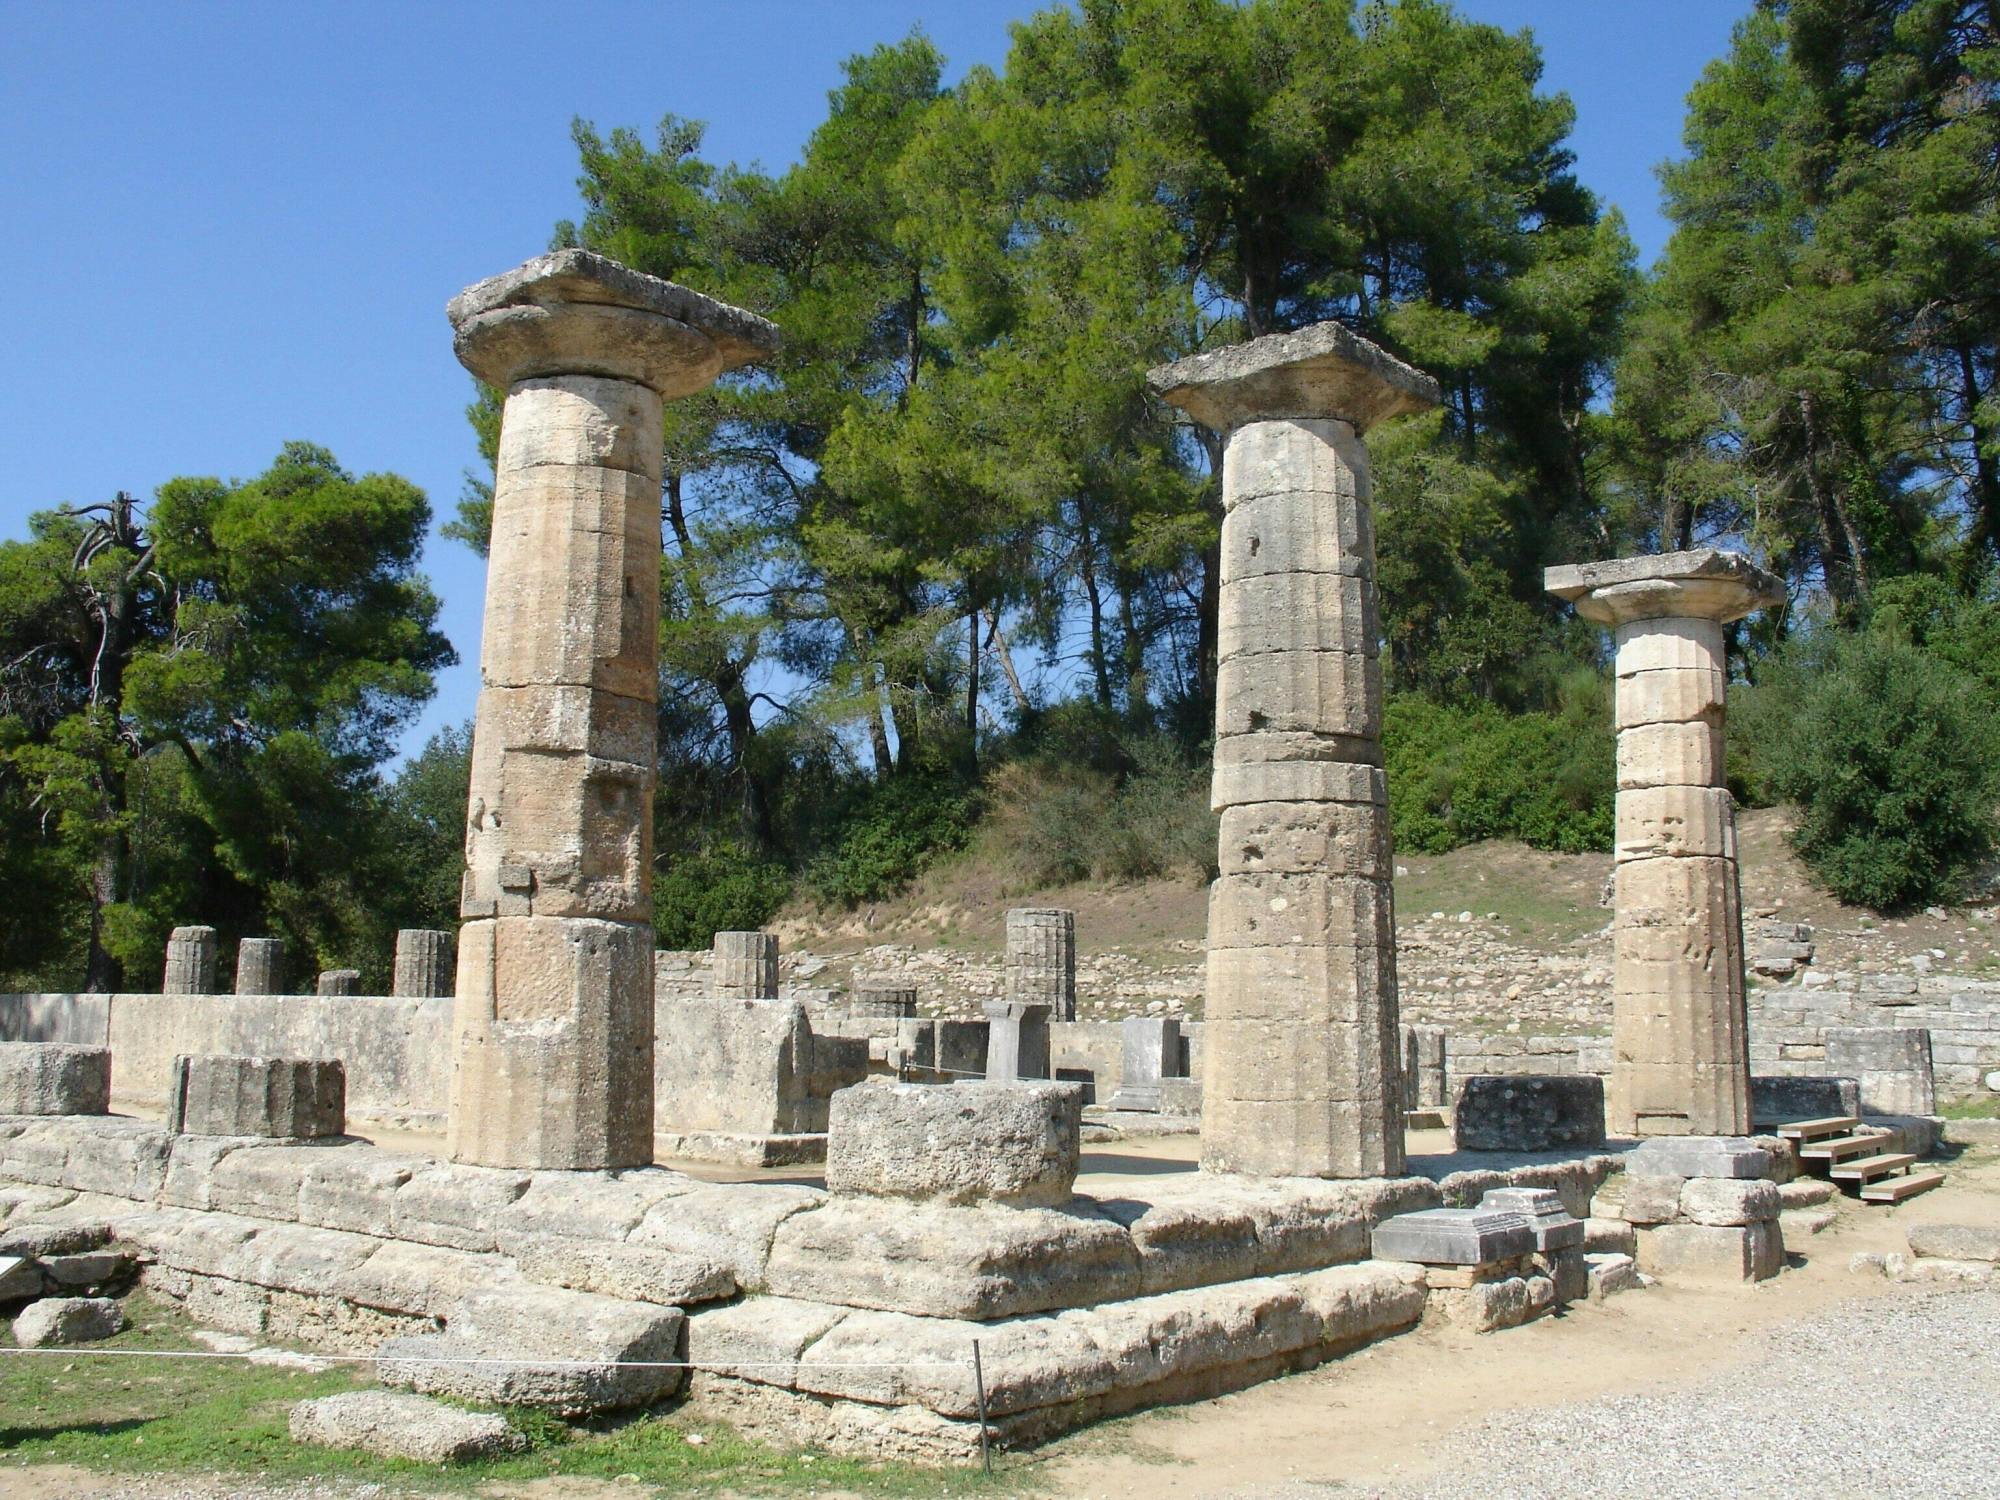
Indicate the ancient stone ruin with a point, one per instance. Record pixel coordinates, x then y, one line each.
539 1258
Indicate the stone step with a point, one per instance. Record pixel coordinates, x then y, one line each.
1902 1187
1871 1167
1813 1130
1835 1151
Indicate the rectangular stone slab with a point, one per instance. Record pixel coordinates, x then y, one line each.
1453 1237
1699 1156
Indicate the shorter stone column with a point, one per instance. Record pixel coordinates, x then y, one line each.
283 1098
1040 966
1152 1050
1017 1041
423 963
746 966
1680 1033
880 1001
1423 1067
191 953
260 966
339 982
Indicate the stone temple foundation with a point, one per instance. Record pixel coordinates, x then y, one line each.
553 1051
1301 1071
1680 1031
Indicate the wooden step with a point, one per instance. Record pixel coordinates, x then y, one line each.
1896 1189
1814 1130
1845 1146
1872 1167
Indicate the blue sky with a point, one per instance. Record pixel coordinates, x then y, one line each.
237 224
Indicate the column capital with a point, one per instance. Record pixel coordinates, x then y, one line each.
1314 374
1706 583
574 312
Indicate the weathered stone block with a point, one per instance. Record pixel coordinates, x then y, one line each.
745 966
52 1078
1698 1156
1955 1241
1892 1065
1453 1237
738 1066
1554 1227
423 963
339 982
1323 692
1688 754
1528 1113
957 1143
1272 612
1314 839
1017 1041
1611 1274
401 1424
1704 1252
1150 1047
260 966
191 953
281 1097
1778 1100
67 1320
1039 963
882 1001
1652 1197
1729 1201
1675 822
1491 1306
1237 784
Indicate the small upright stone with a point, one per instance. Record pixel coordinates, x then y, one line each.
53 1078
191 953
1423 1067
1152 1049
1017 1041
423 963
746 966
1891 1064
67 1320
339 982
260 966
284 1098
1040 963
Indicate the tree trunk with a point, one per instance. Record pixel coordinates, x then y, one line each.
972 687
998 642
1985 531
1100 669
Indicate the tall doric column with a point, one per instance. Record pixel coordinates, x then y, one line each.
553 1061
1680 1038
1300 1055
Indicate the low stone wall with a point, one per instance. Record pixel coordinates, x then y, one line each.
397 1050
1788 1024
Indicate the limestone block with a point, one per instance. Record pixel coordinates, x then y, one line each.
1567 1271
586 420
1528 1113
1039 964
40 1241
1705 1252
1652 1197
422 1281
1309 1135
1346 753
423 963
735 1065
67 1320
1682 754
353 1190
455 1206
1267 910
948 1261
877 1001
1453 1237
1670 697
1776 1100
1322 839
339 982
281 1097
1297 612
86 1270
1697 1156
400 1424
1675 820
1490 1306
557 834
732 1224
1700 583
1609 1237
1729 1201
1611 1274
264 1181
1892 1065
52 1078
1423 1067
1266 382
759 1338
1298 531
958 1143
590 1205
745 966
260 966
191 953
1955 1241
572 1353
20 1278
1017 1041
1150 1048
1669 644
1283 458
642 1273
1308 781
1322 692
553 1061
1554 1227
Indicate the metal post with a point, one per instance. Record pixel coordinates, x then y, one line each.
979 1386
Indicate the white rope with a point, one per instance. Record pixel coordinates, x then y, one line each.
269 1355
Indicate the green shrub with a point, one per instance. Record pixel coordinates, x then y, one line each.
1062 822
887 834
1459 773
1891 755
723 889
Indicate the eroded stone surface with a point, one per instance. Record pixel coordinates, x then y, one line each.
52 1078
401 1424
1528 1113
956 1143
67 1320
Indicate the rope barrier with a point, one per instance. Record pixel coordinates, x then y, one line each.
717 1366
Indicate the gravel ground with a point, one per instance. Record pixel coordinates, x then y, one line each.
1891 1397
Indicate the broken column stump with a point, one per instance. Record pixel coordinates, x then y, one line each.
191 954
284 1098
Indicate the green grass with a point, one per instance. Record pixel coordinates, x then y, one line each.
1525 911
214 1415
1987 1108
